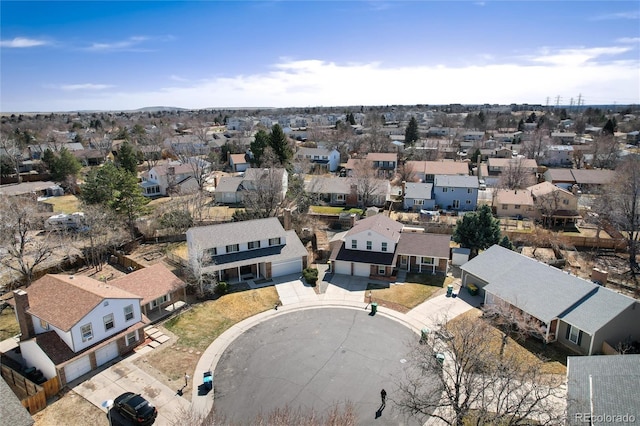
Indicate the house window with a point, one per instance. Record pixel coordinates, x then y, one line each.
505 207
128 312
131 338
339 197
254 245
426 260
403 260
574 335
87 332
212 252
381 270
565 202
445 189
469 190
354 244
418 202
468 202
517 206
274 241
456 204
44 324
384 246
108 322
233 248
369 245
159 301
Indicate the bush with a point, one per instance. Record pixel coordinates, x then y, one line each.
310 275
222 288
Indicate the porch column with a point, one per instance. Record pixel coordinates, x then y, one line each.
257 270
219 275
419 264
239 275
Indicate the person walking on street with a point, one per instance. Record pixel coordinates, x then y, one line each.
383 396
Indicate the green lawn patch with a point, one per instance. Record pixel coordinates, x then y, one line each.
65 204
333 210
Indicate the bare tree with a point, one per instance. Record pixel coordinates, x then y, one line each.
20 227
376 140
366 181
515 175
536 147
470 382
263 194
620 205
406 173
151 146
188 153
12 149
102 233
605 150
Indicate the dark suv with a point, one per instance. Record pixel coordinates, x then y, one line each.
136 408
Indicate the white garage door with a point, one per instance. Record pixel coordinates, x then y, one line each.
107 353
286 268
77 368
361 269
343 268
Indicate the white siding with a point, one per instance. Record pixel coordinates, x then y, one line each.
34 356
375 238
95 317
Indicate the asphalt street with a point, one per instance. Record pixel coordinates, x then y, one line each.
315 359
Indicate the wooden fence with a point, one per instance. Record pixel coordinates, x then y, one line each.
32 396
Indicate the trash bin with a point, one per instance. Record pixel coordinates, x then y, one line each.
424 335
449 290
472 289
374 308
440 358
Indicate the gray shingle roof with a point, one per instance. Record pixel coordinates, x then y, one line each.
456 181
228 184
12 413
540 290
428 245
380 224
592 314
614 387
236 232
418 190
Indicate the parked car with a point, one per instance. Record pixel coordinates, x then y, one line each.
136 408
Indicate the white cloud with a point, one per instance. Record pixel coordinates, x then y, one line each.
632 14
178 78
21 42
85 86
577 56
128 44
630 40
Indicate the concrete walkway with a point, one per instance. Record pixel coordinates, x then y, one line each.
341 291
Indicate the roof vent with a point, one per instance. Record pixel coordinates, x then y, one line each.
70 277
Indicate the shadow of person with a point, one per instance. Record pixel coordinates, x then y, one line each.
380 410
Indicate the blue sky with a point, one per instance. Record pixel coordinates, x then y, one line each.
119 55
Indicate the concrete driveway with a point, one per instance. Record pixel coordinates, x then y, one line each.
126 377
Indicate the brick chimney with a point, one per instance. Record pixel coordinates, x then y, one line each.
24 319
600 276
287 219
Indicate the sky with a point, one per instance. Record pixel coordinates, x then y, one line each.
124 55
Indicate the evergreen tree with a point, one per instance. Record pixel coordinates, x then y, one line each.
127 158
260 142
506 243
609 128
351 119
117 189
521 125
411 133
280 144
478 230
65 165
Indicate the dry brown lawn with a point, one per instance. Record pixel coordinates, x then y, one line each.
551 359
8 324
64 204
195 329
406 296
71 410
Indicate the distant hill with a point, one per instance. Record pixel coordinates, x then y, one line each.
160 109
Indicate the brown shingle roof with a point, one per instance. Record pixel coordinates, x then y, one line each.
429 245
382 156
63 300
510 196
150 283
439 167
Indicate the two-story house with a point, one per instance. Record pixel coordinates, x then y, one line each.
456 192
558 155
252 249
515 203
325 158
71 325
232 190
418 196
377 246
384 163
162 179
554 204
